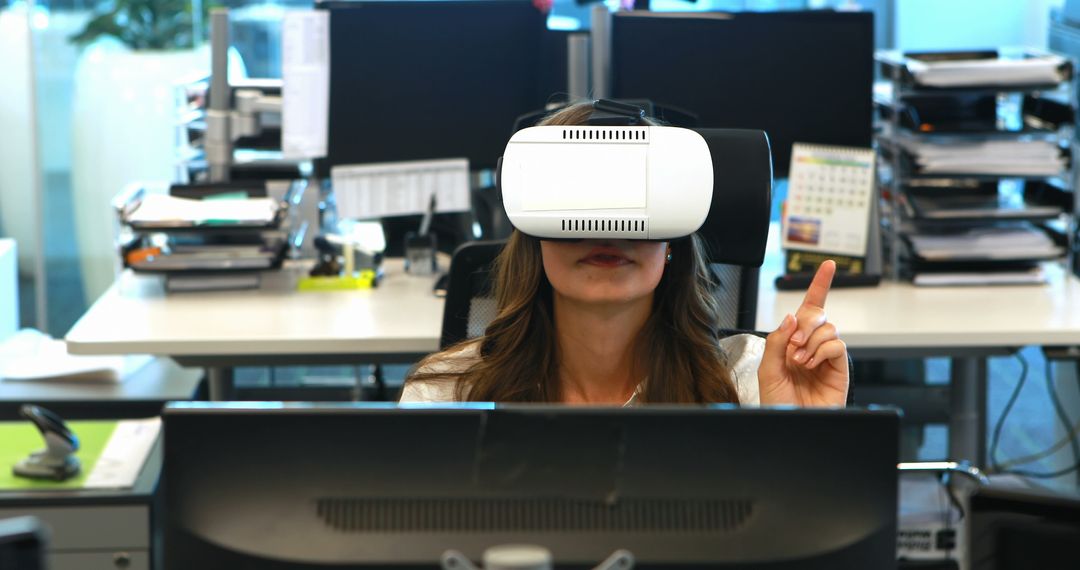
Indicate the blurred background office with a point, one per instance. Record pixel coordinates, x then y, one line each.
86 108
84 113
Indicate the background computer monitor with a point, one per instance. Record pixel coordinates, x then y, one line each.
438 79
288 487
800 76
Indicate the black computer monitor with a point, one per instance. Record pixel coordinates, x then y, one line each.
802 76
22 543
437 79
1013 525
287 487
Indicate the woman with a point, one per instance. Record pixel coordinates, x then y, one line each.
624 322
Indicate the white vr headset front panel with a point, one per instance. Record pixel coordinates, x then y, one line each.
607 182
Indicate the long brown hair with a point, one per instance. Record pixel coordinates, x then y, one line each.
518 355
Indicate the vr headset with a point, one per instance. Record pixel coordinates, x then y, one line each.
618 178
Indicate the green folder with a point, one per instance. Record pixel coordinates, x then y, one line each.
20 439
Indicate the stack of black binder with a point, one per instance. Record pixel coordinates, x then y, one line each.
977 147
208 237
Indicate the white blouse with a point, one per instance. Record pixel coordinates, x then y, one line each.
745 350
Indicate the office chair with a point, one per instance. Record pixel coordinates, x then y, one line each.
470 301
736 297
488 212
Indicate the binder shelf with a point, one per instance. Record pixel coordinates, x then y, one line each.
977 164
219 236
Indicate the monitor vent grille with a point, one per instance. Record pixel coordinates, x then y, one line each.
604 226
533 515
605 135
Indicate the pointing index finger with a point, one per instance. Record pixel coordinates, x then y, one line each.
819 287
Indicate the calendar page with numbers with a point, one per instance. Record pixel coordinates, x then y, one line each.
830 189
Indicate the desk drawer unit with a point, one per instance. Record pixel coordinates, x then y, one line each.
94 537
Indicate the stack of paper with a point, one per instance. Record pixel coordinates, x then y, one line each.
972 205
124 454
31 355
998 242
1041 70
1025 276
999 157
211 257
163 210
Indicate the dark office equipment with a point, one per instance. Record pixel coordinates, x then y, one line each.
302 487
441 79
801 281
22 544
799 76
1013 528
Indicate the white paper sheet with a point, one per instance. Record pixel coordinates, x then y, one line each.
162 209
386 189
124 454
1019 157
305 72
1002 71
30 356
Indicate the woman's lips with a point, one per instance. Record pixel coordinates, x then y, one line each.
605 257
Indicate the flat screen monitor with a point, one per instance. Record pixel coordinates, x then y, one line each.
1012 526
22 543
435 79
803 76
311 486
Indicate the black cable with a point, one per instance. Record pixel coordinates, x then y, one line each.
994 465
947 480
1065 440
1062 415
997 430
1072 432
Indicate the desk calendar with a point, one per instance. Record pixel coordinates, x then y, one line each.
830 191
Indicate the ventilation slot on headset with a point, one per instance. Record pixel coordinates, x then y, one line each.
605 225
604 134
557 515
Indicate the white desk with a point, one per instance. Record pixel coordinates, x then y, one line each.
965 323
400 321
901 315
